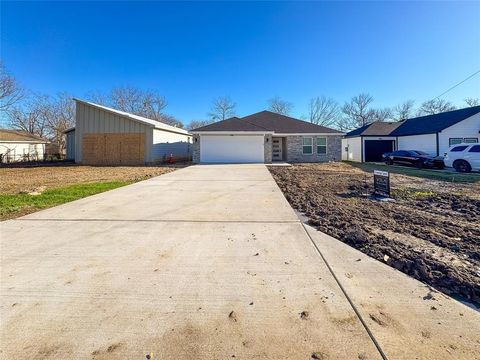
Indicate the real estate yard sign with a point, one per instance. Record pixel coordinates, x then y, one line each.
381 183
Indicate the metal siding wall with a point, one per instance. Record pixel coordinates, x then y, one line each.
78 131
90 120
165 143
71 145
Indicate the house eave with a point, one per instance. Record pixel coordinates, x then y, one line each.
232 132
309 134
25 141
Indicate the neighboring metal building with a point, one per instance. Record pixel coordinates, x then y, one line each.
105 136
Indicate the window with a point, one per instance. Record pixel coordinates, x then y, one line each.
475 148
454 141
321 145
459 148
307 145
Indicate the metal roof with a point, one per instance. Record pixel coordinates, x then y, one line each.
150 122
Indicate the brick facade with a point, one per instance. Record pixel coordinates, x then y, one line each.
295 149
267 149
196 149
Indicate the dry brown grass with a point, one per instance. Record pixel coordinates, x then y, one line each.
25 180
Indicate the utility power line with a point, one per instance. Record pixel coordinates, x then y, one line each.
461 82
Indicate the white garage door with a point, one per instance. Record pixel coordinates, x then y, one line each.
231 149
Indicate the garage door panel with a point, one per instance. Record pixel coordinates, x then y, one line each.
375 148
232 149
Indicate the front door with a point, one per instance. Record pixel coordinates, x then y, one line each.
277 149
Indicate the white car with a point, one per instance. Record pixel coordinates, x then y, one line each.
463 157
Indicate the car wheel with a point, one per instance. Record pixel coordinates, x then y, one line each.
419 164
441 167
389 162
462 166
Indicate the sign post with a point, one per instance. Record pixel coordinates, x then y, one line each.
381 183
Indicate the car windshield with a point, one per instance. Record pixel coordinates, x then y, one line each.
419 152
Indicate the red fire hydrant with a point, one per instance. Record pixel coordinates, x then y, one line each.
170 159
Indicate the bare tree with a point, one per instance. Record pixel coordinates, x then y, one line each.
170 120
323 111
280 106
358 112
222 108
139 102
403 111
61 116
99 98
195 124
343 124
472 101
435 106
136 101
10 91
32 117
384 114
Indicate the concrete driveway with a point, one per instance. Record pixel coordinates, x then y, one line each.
207 262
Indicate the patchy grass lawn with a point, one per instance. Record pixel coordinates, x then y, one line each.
439 175
14 205
26 190
431 231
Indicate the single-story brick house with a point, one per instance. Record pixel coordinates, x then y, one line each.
264 137
433 134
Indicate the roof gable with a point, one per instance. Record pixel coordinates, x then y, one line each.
267 121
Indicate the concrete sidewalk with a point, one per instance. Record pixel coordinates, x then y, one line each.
207 262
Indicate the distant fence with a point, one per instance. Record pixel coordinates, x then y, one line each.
8 158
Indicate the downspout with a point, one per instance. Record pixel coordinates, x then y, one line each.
438 145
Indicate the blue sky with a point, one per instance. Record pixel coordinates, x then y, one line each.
192 52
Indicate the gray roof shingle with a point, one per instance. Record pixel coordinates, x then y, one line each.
17 135
267 121
375 129
429 124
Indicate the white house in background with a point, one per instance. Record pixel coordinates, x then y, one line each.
105 136
433 134
20 146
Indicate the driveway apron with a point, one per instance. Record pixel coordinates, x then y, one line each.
207 262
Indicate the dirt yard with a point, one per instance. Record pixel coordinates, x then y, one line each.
431 231
38 179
